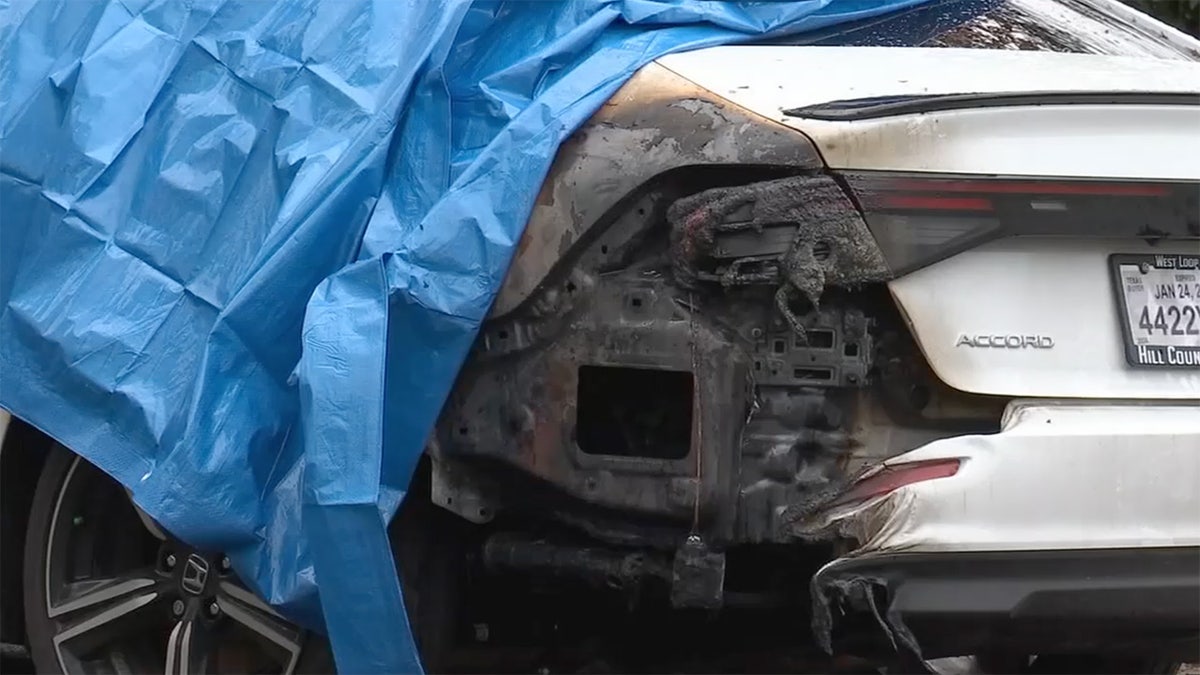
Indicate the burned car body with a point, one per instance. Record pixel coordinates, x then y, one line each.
662 334
719 332
845 330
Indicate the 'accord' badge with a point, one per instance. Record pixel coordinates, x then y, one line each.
1005 341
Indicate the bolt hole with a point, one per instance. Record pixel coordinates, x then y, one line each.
503 335
449 501
636 302
779 346
463 431
604 249
758 365
571 287
641 212
483 513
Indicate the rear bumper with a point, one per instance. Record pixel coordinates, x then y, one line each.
1075 528
951 604
1060 475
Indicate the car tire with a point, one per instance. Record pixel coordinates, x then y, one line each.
429 559
71 496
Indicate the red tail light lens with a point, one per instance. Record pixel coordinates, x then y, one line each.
934 203
895 476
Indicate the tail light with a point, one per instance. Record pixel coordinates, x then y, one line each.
895 476
920 219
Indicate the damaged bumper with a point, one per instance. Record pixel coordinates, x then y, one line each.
1028 602
1077 525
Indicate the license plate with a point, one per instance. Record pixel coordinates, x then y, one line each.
1159 299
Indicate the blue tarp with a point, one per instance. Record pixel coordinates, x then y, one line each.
246 247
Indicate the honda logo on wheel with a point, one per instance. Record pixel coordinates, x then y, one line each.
195 575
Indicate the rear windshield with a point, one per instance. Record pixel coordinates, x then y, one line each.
1078 26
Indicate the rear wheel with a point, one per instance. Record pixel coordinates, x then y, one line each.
107 591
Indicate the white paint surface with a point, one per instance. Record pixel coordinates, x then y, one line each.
1059 476
769 80
1057 287
1118 140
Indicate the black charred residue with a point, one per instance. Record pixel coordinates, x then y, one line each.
855 593
831 245
1010 28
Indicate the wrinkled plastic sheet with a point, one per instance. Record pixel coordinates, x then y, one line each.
247 246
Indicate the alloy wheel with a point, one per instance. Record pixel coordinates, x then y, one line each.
114 593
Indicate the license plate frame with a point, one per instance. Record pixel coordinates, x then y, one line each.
1140 351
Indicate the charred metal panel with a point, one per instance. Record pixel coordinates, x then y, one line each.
794 452
766 447
523 409
656 123
783 409
834 350
461 491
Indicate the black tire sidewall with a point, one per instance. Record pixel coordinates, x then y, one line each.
39 628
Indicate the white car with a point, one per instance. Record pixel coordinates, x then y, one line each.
913 304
